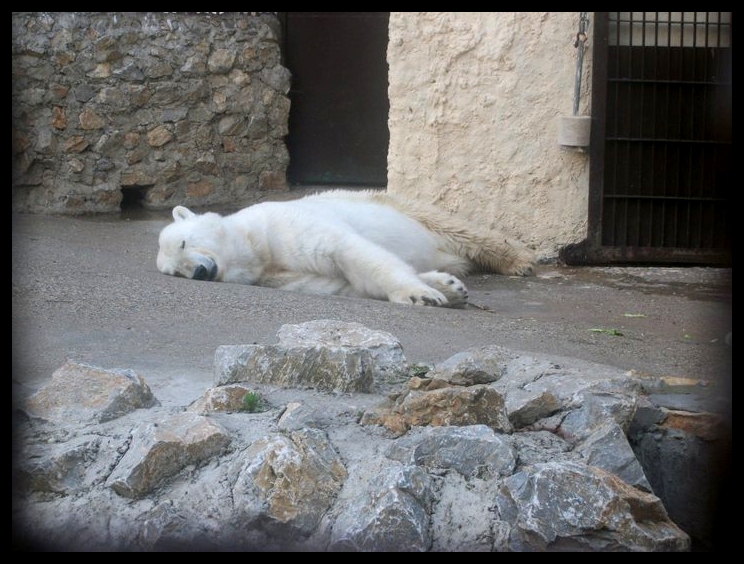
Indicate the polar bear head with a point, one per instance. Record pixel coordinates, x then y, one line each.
190 246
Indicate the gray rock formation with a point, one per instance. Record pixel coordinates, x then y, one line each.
491 451
79 392
473 450
563 506
449 405
320 354
391 515
285 483
161 449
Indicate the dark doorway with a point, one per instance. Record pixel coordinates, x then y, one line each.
338 130
661 141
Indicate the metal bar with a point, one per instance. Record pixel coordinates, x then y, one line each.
669 198
598 148
677 141
674 82
691 153
616 146
654 123
626 145
641 125
664 208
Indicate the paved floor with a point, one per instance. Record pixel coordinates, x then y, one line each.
87 289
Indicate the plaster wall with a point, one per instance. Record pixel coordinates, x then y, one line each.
475 100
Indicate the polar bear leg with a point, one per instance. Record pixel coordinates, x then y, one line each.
376 272
307 283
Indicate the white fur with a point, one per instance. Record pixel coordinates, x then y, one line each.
354 243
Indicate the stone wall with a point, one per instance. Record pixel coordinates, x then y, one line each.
160 108
474 103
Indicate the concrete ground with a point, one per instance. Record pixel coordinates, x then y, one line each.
87 289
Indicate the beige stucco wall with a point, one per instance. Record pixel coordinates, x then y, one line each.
474 102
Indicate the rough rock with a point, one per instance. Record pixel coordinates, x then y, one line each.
474 366
223 398
79 392
596 409
527 378
526 409
313 472
474 450
386 350
286 483
391 516
342 370
677 448
463 516
70 465
162 449
608 448
471 405
566 506
325 355
300 415
534 447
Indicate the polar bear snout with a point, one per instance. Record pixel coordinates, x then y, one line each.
207 270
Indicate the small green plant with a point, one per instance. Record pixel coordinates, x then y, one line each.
252 402
420 370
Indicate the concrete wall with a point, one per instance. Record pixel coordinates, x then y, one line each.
474 104
169 108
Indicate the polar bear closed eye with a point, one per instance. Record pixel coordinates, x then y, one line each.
355 243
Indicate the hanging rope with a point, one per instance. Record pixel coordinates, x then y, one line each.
580 44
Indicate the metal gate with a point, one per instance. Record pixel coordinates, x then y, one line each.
660 172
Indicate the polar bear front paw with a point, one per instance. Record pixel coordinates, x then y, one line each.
452 287
418 295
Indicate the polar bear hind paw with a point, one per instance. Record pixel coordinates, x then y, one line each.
521 267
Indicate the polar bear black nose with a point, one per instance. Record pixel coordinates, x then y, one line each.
206 271
200 273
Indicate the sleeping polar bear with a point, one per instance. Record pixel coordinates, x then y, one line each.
364 243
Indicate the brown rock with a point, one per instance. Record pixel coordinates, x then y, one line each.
228 144
272 180
199 189
90 120
102 70
707 426
79 392
76 144
59 119
222 398
159 136
470 405
59 91
131 140
136 178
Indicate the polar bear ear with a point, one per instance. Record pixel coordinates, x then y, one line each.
182 212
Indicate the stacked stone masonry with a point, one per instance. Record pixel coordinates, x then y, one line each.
490 450
161 108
